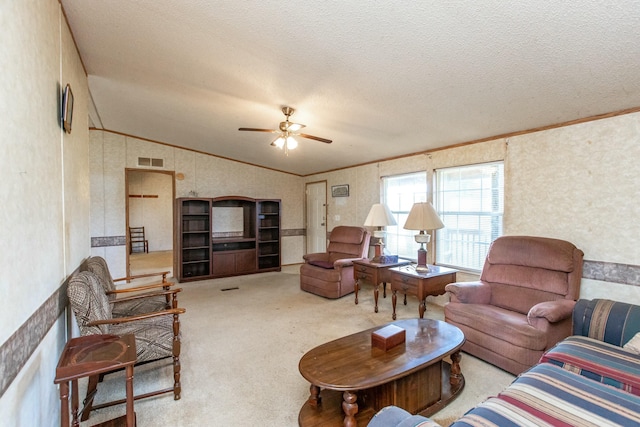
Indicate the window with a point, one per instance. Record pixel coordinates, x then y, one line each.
400 192
470 202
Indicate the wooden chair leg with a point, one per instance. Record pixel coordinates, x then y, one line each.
91 393
177 387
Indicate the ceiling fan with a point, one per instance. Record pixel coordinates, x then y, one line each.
287 130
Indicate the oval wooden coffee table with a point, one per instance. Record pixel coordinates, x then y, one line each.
351 380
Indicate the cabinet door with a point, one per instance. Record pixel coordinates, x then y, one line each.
246 262
224 264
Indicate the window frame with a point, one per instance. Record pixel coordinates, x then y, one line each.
399 241
473 247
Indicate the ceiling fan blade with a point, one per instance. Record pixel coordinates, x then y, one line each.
317 138
260 130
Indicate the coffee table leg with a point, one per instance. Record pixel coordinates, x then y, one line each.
350 408
455 377
314 398
394 298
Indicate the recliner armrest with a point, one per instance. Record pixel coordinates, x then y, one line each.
552 311
345 262
469 292
317 256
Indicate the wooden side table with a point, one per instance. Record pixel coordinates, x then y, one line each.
373 273
93 355
408 281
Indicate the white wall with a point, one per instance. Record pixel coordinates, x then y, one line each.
45 193
208 176
579 183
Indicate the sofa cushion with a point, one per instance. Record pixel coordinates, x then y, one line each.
348 241
394 416
519 298
506 325
336 256
89 302
536 252
549 395
551 281
322 264
633 345
597 360
319 273
606 320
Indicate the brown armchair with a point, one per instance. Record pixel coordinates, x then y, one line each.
157 334
522 304
330 274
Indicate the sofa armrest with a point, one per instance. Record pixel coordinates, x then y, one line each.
469 292
551 311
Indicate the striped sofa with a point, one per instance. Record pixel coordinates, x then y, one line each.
591 378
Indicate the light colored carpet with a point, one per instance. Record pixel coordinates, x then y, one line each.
241 348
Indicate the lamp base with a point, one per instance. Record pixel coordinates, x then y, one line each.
422 266
378 253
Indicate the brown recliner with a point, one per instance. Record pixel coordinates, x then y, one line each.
330 274
522 304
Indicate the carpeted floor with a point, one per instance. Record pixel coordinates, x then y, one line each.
242 339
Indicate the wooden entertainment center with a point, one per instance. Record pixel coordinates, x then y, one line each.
226 236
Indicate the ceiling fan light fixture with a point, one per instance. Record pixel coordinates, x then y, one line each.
291 143
286 130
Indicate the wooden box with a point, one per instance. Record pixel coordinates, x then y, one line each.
388 337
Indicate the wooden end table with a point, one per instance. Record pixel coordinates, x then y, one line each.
94 355
366 271
408 281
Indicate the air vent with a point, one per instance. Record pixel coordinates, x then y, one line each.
147 161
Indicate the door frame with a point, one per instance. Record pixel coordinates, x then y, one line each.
172 174
326 211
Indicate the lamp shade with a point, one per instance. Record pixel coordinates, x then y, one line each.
379 216
423 217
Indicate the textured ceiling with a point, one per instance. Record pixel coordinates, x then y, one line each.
381 79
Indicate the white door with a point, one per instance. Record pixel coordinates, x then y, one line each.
316 217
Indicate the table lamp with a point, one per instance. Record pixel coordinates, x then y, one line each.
423 217
379 216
